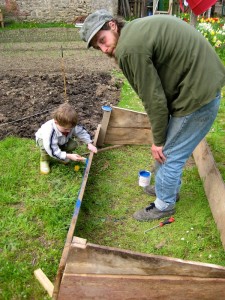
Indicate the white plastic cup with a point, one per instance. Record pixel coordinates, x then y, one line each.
144 178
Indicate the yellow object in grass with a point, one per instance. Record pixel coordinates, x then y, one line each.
76 168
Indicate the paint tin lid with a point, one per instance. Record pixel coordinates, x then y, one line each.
106 108
144 173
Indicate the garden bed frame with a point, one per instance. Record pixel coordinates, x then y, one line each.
88 271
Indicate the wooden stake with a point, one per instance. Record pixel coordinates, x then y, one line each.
64 76
104 149
44 281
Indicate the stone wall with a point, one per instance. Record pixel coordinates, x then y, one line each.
56 10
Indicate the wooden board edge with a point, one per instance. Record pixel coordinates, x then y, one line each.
70 233
213 185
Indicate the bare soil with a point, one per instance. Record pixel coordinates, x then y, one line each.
36 77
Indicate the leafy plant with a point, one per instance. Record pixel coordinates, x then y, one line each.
213 29
10 11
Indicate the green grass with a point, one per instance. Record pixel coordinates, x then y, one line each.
34 218
193 236
129 99
12 25
36 210
113 195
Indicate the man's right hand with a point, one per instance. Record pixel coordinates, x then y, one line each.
157 153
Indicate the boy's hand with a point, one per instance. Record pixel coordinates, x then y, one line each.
75 157
92 148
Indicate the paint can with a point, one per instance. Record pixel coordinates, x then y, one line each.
144 178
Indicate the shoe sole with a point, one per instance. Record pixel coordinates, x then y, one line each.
165 214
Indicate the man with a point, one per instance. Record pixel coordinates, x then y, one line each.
178 76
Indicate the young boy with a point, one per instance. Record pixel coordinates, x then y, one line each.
55 137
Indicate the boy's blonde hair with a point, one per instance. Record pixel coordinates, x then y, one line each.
65 115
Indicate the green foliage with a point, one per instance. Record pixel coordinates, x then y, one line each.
213 29
12 24
10 11
163 5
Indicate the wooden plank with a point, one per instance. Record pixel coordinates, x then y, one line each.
144 8
213 184
114 287
108 260
128 127
139 8
121 117
103 149
135 9
127 5
99 272
126 136
70 233
104 125
44 281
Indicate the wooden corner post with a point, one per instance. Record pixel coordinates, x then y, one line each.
104 125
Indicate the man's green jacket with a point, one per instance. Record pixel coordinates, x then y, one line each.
171 66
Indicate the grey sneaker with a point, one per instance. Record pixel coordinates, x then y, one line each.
150 190
152 213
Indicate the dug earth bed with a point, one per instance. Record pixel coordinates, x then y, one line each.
35 80
27 101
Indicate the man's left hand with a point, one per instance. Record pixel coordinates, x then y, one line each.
92 148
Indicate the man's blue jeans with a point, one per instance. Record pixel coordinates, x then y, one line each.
183 135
